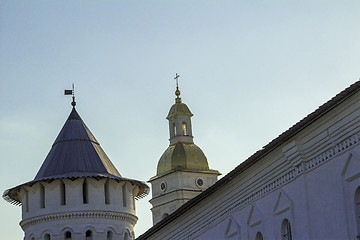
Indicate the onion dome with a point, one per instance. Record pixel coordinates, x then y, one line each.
183 157
75 153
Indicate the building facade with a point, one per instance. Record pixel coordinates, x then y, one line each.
305 184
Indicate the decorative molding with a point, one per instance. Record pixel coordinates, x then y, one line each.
283 203
292 153
255 216
132 219
302 168
351 168
232 229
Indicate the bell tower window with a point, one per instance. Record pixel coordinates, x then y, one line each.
184 129
174 129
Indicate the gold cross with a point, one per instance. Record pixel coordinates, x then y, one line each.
177 81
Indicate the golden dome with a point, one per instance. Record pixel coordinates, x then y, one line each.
183 157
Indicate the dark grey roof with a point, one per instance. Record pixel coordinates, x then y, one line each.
309 119
75 154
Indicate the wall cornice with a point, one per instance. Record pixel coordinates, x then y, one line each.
132 219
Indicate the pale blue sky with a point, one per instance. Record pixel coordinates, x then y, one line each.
249 70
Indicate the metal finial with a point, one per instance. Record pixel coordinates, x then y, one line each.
71 92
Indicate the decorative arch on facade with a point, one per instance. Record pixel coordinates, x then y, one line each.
259 236
89 232
89 235
109 235
46 234
127 235
286 230
67 233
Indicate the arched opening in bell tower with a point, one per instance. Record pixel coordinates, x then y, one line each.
184 129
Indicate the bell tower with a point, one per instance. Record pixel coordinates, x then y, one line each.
183 170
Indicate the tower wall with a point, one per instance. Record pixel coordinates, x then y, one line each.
180 187
104 207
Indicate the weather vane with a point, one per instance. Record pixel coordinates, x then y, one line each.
71 92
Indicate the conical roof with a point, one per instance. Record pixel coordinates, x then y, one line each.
76 153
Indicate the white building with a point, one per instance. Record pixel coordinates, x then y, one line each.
77 193
305 184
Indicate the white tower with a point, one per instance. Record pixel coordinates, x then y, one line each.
183 170
78 193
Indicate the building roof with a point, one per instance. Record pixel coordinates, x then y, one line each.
75 153
179 108
309 119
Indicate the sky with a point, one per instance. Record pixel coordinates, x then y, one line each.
248 70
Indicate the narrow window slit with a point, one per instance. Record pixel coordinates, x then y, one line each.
85 192
124 195
62 193
42 196
107 192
